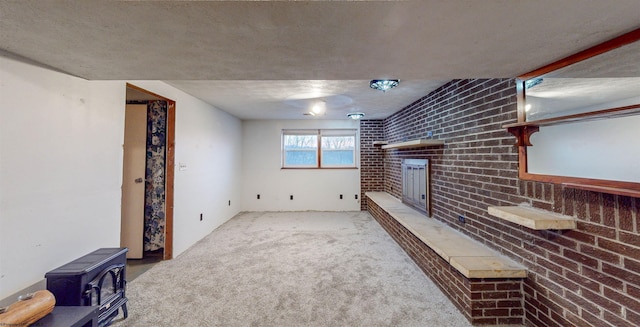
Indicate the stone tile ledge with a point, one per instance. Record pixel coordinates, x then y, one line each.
470 257
533 218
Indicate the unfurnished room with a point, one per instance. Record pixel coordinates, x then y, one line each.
320 163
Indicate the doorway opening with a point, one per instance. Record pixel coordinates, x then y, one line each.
148 178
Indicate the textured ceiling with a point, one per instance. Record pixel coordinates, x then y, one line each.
273 52
283 99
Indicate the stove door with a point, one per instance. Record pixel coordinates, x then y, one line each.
105 287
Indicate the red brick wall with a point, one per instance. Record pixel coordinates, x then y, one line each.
372 172
586 277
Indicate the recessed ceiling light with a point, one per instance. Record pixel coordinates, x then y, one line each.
318 108
532 82
383 84
355 115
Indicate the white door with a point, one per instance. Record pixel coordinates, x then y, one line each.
133 183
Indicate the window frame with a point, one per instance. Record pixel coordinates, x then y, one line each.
326 132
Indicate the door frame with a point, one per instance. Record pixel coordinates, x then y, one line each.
169 170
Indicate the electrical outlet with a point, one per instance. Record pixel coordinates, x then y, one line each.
461 219
258 196
356 196
200 217
340 196
290 197
229 202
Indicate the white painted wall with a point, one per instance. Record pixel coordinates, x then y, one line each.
313 189
208 142
60 170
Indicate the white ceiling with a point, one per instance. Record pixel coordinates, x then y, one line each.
267 59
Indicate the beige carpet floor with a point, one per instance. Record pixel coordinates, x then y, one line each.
290 269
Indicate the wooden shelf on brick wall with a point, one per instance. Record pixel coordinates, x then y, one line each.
533 218
414 144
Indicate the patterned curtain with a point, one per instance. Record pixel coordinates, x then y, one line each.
154 211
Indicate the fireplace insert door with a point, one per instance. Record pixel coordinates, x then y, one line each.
415 184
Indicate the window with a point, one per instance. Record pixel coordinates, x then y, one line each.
300 149
325 148
338 148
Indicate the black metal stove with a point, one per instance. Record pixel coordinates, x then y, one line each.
96 279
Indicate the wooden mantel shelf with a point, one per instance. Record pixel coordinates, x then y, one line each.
533 218
414 144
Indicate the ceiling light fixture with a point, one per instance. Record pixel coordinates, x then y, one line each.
355 115
383 84
318 109
532 82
